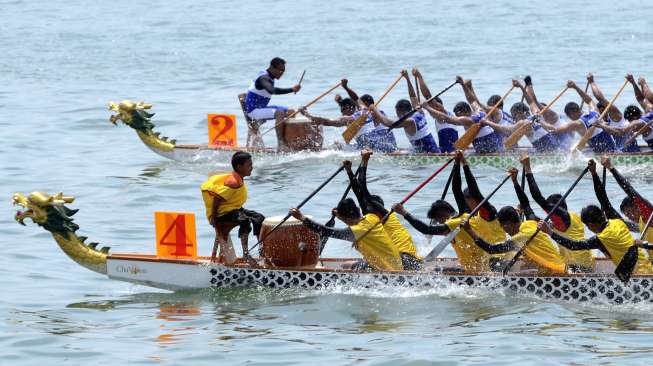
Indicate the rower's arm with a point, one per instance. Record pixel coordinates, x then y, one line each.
339 122
362 182
503 129
645 207
602 196
617 131
352 94
524 204
343 234
456 188
422 227
380 117
264 82
591 243
586 98
488 212
358 191
471 97
573 126
614 112
217 200
560 212
499 248
411 92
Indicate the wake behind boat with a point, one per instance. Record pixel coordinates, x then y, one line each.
311 272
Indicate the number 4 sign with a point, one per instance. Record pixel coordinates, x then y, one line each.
222 130
175 235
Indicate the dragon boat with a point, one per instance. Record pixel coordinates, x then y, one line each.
293 261
305 138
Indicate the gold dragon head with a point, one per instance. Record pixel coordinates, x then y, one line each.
46 210
127 110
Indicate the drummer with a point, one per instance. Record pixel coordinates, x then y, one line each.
401 238
415 127
258 98
365 232
613 237
224 196
541 251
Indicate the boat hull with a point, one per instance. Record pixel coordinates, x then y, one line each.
201 274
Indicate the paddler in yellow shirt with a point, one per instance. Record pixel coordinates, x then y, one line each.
369 203
224 196
541 251
472 258
613 237
367 234
566 223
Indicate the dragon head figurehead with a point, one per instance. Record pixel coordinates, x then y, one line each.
136 116
50 212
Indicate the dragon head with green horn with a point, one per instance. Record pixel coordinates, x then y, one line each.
50 212
134 115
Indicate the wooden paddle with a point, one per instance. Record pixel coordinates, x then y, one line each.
447 239
293 114
468 137
590 131
341 168
332 220
548 216
355 126
397 123
582 101
639 132
521 131
301 79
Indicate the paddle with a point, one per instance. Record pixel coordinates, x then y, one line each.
332 220
301 79
582 101
355 126
341 168
590 131
408 196
468 137
521 131
639 132
548 216
293 114
447 239
446 186
397 123
605 174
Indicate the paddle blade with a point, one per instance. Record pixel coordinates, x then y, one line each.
515 136
627 265
468 137
583 140
354 127
441 245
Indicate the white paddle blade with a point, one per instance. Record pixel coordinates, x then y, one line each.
441 245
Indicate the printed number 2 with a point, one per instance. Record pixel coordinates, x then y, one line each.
228 125
180 243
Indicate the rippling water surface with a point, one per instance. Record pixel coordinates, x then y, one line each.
63 61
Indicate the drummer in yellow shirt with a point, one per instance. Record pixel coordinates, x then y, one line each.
367 234
224 196
541 251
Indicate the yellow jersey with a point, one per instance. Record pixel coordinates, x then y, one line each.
230 187
470 255
576 231
541 250
648 236
617 239
375 245
491 232
400 236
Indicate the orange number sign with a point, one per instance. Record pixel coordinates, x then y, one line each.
175 235
222 130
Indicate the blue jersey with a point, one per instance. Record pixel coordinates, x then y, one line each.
620 141
487 140
600 141
422 140
257 98
447 135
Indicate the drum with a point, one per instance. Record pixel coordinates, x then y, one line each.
301 134
290 245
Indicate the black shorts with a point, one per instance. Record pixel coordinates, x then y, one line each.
245 219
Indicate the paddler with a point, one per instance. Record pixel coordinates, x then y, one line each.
565 223
471 257
613 237
365 232
647 105
258 98
224 196
369 203
416 127
601 141
635 207
447 132
373 135
613 122
541 251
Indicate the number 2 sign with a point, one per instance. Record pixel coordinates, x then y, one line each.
222 130
175 235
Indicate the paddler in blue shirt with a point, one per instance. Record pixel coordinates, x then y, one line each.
601 141
447 132
258 98
416 127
